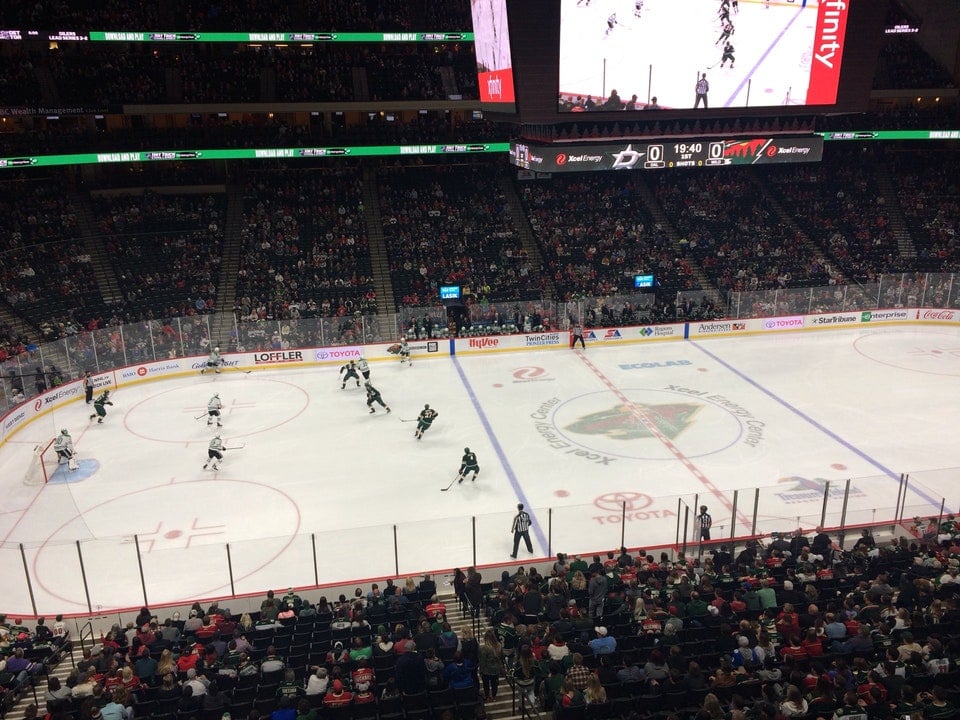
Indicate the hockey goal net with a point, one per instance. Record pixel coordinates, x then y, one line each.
43 464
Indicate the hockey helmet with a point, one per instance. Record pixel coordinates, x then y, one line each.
217 349
466 450
426 407
367 385
217 436
216 395
64 432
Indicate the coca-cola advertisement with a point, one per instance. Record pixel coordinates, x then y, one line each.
937 315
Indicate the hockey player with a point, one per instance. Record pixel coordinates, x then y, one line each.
405 352
424 421
637 8
728 55
214 361
373 396
468 463
364 367
725 35
214 406
611 21
98 406
724 14
63 446
215 451
351 372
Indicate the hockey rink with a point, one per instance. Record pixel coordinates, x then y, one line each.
663 51
574 435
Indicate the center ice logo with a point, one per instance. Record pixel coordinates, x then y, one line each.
624 422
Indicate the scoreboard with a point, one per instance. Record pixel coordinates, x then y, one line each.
665 153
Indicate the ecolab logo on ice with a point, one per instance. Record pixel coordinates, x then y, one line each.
936 315
271 358
484 342
781 323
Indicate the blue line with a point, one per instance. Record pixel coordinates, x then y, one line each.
537 531
762 58
826 431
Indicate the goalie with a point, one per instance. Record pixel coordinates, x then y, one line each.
63 446
214 361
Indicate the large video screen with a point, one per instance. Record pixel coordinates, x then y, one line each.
686 54
491 41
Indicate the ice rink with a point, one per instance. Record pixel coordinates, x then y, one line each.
573 435
662 52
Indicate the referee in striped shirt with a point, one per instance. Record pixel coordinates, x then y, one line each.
521 529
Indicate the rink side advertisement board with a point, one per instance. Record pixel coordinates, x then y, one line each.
335 356
656 55
679 153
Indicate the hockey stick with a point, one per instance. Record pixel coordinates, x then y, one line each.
235 447
407 420
451 484
200 416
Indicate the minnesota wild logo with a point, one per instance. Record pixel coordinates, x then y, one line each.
629 421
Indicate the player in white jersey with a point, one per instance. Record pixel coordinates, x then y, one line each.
364 367
214 406
215 451
214 361
405 352
611 21
63 446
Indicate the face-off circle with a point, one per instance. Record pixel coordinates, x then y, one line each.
923 352
190 534
282 402
692 423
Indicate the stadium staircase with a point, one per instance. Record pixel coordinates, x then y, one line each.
93 244
223 321
459 617
656 211
529 240
809 245
33 694
379 262
898 224
448 79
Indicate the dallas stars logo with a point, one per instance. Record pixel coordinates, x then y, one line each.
623 422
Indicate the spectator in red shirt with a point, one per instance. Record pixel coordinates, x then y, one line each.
337 696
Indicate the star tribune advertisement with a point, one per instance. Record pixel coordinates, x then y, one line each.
693 54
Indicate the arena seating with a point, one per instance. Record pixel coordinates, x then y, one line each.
166 251
732 233
305 248
449 225
598 248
